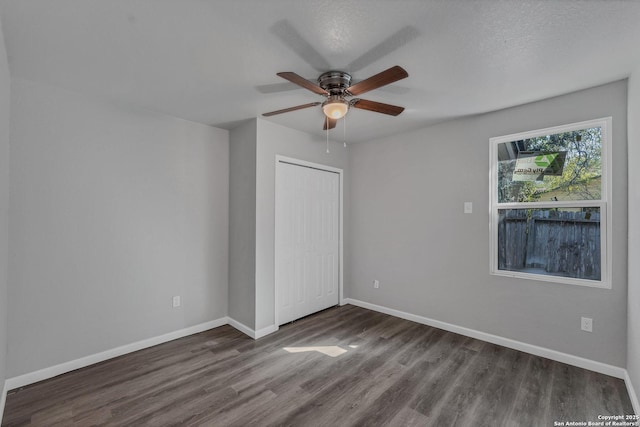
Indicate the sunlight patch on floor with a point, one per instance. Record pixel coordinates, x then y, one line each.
329 350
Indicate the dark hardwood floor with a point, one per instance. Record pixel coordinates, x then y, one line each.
345 366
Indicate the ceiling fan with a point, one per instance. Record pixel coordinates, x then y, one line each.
340 94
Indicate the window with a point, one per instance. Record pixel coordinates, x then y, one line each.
550 208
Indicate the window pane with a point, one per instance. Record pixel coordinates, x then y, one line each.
555 242
557 167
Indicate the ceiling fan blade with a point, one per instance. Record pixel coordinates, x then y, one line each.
330 122
295 41
391 43
378 107
297 107
390 75
301 81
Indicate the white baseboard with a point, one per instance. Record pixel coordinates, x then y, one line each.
266 331
46 373
241 327
251 332
632 393
3 399
558 356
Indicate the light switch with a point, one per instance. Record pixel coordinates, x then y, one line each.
468 207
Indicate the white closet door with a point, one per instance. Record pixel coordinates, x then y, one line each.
307 240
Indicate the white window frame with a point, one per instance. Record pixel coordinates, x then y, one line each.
604 204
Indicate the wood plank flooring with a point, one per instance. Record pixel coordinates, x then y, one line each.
345 366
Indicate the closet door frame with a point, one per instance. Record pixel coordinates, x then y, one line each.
340 172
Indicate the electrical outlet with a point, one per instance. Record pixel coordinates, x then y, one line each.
176 301
586 324
376 284
468 207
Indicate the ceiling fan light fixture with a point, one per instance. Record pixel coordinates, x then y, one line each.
335 108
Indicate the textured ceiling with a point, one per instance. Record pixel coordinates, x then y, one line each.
215 61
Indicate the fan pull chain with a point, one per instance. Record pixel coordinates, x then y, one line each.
344 131
327 135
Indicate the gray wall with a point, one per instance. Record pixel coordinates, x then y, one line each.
275 139
633 319
113 211
408 230
242 224
5 89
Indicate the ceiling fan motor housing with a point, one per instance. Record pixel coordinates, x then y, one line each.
335 82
